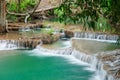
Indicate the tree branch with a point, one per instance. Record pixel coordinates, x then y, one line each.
29 15
35 8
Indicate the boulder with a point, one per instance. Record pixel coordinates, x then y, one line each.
69 34
48 39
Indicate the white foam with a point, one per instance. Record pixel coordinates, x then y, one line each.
39 51
95 77
90 69
46 52
6 46
72 60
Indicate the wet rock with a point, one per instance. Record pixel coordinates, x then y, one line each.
29 42
48 39
118 74
111 62
69 34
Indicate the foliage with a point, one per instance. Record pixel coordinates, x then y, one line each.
21 5
12 17
102 25
89 13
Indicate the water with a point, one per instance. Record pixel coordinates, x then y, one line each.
62 64
94 46
22 65
60 44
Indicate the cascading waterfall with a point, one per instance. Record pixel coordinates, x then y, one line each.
12 44
95 62
19 44
98 36
92 60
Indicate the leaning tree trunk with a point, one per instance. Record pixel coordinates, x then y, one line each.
2 16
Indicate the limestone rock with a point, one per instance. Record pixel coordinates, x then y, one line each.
111 62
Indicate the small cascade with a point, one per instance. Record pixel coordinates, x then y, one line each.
98 36
19 44
68 51
8 44
97 64
82 56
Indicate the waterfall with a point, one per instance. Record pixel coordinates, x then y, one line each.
19 44
93 60
12 44
97 36
8 44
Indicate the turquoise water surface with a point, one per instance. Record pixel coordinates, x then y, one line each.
22 65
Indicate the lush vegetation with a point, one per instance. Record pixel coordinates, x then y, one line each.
97 14
21 5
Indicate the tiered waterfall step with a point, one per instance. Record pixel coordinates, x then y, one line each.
99 36
21 43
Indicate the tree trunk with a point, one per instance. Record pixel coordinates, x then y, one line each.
19 1
2 16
